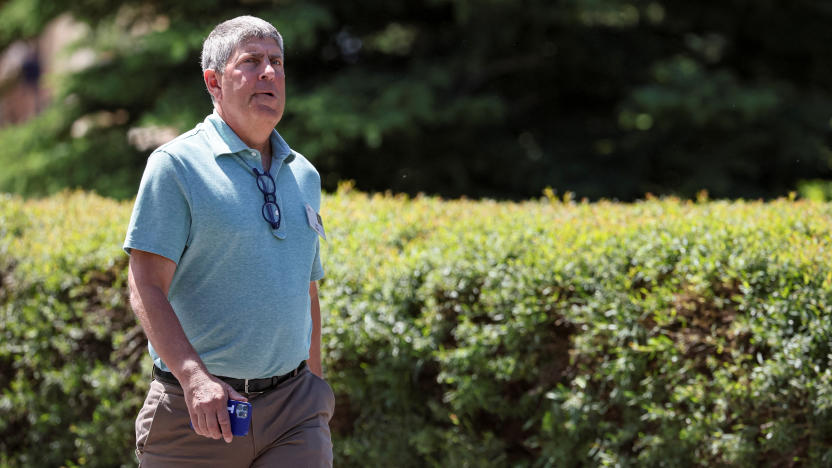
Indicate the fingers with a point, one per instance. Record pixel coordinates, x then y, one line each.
224 419
233 394
201 426
207 403
215 425
208 423
211 422
225 426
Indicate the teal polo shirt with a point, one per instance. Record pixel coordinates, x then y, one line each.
241 288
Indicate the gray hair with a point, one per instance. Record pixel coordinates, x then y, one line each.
228 35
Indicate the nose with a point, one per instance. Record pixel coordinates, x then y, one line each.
268 71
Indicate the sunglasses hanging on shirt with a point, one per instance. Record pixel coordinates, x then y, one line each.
270 211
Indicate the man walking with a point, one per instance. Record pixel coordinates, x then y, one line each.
224 259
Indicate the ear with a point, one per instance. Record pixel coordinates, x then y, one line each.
212 82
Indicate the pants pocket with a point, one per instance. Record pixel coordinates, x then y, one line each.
144 420
327 392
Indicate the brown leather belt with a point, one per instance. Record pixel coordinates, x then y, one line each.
240 385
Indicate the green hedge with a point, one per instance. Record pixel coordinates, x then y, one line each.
463 333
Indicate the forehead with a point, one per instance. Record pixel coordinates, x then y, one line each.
258 45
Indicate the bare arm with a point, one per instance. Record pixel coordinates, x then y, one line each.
149 277
315 347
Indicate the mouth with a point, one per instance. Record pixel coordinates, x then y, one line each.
266 93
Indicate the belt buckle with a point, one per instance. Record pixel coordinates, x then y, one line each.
246 386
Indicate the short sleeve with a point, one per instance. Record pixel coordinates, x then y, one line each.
317 268
161 219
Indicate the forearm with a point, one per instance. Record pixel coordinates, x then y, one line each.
149 277
315 346
164 331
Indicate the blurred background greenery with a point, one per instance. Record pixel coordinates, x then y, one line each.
541 333
489 98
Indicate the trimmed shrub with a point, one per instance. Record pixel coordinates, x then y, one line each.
71 352
471 333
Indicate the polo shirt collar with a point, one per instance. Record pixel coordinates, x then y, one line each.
223 140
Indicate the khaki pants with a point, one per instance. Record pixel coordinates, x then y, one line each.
289 427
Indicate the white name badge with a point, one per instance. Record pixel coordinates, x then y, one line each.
315 221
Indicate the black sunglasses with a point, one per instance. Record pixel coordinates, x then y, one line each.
270 211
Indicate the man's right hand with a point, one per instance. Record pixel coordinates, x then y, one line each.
207 399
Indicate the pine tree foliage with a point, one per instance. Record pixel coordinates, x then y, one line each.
499 98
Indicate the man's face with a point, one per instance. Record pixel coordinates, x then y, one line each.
253 85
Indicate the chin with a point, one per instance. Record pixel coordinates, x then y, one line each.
271 118
264 110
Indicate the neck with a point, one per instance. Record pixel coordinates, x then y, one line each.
265 154
254 137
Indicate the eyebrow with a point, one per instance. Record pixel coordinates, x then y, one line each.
257 54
